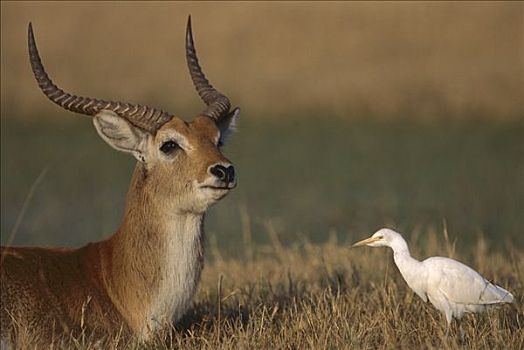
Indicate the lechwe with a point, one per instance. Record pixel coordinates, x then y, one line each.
144 276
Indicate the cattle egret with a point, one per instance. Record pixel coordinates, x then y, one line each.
452 287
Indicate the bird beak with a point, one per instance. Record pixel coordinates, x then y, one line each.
366 241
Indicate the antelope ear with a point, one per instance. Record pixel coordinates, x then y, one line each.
228 124
121 135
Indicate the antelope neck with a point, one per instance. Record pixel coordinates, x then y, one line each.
156 260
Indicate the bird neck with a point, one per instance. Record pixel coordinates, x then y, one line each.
402 255
404 259
400 247
411 269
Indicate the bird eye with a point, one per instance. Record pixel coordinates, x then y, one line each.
169 146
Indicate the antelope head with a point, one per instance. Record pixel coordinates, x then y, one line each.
178 161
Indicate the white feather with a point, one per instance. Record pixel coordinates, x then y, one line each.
452 287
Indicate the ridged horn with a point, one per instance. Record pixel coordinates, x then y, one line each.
147 118
218 105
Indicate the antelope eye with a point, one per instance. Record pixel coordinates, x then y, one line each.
220 143
169 146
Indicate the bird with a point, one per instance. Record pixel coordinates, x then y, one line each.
452 287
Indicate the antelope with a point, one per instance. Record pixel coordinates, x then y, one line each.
145 275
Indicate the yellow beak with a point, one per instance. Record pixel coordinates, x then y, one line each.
366 241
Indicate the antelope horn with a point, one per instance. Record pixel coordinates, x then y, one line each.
218 105
147 118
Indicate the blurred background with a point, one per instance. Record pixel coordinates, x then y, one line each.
354 116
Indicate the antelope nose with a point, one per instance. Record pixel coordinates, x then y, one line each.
223 173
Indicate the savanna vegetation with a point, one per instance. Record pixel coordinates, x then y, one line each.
330 296
355 117
280 272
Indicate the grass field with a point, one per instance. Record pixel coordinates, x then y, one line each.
355 116
330 296
281 240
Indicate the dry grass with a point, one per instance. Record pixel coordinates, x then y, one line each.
289 59
350 60
331 296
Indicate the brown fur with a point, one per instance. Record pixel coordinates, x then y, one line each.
109 287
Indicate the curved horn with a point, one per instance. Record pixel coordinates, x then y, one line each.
218 105
144 117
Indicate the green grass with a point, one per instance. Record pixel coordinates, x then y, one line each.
304 177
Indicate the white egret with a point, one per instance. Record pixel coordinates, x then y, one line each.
452 287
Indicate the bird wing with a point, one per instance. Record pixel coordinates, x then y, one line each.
461 284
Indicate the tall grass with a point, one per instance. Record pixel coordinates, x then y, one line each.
331 296
333 142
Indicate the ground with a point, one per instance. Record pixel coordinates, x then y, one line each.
330 296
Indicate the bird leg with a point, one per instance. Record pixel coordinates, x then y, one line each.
445 339
461 332
449 319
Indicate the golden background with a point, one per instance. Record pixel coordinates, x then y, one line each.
389 60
